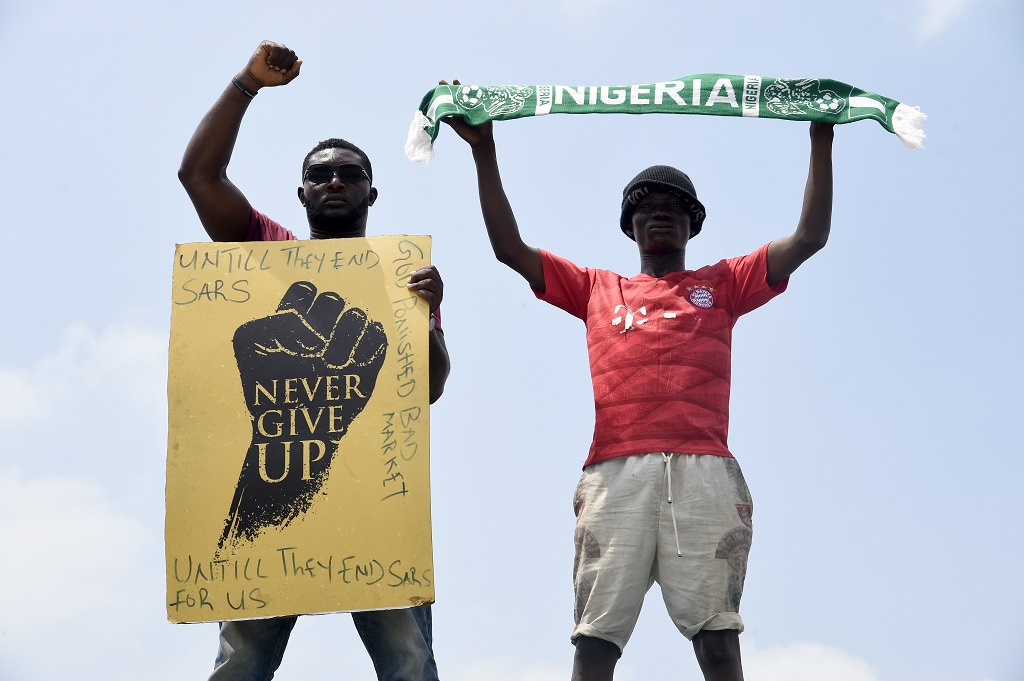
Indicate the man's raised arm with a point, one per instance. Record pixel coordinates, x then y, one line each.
222 208
502 228
788 253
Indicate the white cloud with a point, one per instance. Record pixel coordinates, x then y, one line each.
66 550
805 662
494 670
936 16
124 364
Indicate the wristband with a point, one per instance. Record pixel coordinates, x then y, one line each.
433 321
241 87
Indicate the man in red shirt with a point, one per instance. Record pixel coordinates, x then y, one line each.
661 497
337 191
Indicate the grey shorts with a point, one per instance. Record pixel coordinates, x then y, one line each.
681 520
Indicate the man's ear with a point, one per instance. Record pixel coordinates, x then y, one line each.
372 197
302 196
629 233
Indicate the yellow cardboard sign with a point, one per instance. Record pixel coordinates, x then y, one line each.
298 468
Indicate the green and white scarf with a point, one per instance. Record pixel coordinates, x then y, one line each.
714 94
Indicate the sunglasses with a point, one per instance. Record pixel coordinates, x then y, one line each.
348 173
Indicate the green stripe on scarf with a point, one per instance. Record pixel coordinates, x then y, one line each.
710 94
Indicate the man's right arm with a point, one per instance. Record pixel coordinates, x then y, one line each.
499 219
222 208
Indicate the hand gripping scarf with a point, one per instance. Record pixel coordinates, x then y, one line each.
712 94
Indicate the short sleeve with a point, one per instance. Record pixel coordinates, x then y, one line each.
749 275
566 285
262 228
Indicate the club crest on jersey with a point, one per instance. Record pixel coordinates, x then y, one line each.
702 296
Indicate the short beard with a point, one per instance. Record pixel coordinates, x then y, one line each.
339 225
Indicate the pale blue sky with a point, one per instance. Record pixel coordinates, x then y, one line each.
873 403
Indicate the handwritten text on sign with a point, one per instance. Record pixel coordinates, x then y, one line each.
298 425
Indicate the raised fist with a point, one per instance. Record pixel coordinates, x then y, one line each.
273 64
307 371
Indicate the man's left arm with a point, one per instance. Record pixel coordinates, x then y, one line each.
426 282
788 253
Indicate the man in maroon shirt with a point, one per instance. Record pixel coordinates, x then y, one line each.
337 191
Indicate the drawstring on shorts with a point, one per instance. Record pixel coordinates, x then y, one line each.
672 511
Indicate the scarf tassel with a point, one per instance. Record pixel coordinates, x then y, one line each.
908 124
419 147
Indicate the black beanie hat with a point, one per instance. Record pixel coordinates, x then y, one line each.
661 179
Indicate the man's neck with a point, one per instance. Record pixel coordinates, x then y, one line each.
661 264
318 231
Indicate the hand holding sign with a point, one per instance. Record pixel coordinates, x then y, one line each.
307 371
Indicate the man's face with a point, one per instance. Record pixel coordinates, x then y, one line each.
661 223
337 199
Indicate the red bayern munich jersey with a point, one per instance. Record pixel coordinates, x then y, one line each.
660 350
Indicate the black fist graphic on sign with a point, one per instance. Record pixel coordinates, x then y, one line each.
307 371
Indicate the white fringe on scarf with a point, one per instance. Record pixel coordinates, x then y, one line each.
908 124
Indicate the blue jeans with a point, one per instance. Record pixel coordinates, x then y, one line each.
400 644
